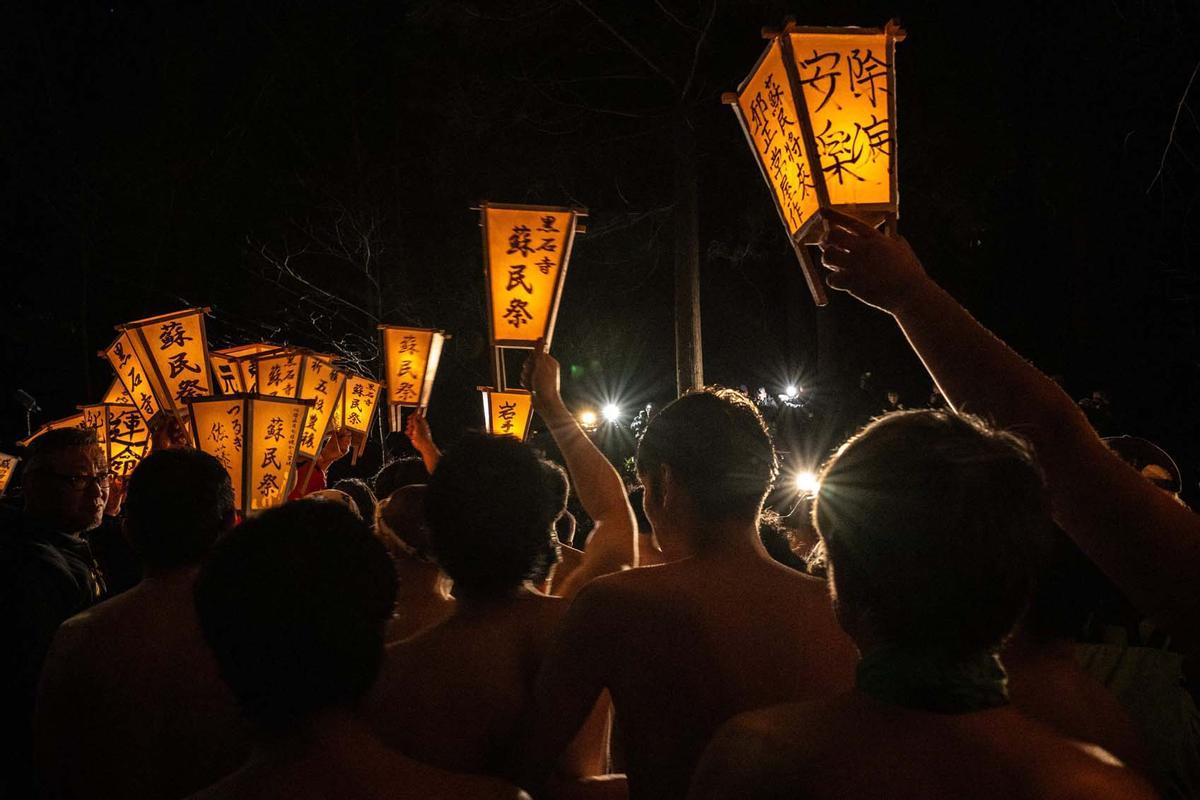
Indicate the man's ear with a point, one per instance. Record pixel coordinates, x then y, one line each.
656 482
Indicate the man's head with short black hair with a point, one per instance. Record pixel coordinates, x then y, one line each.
716 446
177 504
490 513
65 480
934 524
400 472
293 603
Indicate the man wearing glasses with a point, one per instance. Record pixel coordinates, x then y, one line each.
47 574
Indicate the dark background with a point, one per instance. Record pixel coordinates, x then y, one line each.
307 171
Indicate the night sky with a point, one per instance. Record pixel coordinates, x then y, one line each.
271 160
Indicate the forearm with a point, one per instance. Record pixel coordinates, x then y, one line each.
430 454
1144 541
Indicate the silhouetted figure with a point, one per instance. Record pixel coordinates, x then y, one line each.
130 703
933 524
293 603
423 590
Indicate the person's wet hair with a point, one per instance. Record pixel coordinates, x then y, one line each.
935 525
400 472
490 513
293 603
177 504
716 444
51 443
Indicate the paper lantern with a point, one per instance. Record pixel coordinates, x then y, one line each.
117 393
122 433
507 413
819 112
234 369
360 397
526 252
410 361
305 376
256 439
8 465
171 355
73 421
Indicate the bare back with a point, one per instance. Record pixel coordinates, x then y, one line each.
454 694
131 704
684 647
856 747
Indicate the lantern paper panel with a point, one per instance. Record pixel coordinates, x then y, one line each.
359 399
136 379
8 465
321 383
281 371
175 348
847 80
772 125
218 429
122 433
234 368
526 253
73 421
117 393
411 357
507 413
275 426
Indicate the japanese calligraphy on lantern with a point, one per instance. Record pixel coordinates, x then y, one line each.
776 134
278 373
175 348
410 358
256 438
233 368
322 384
8 465
507 413
526 251
122 433
139 384
359 399
847 88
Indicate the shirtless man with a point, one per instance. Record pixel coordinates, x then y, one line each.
293 603
423 590
130 704
684 646
931 522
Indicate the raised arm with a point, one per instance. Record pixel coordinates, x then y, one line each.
1146 542
612 544
418 432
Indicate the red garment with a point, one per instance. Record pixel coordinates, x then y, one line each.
316 480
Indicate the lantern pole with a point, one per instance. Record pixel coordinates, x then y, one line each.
689 355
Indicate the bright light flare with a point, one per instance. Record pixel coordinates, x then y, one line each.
611 412
791 391
587 418
806 482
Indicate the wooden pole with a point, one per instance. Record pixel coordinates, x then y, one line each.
689 357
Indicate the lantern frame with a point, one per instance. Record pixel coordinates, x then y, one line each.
437 343
304 355
487 392
575 213
242 358
247 402
874 214
73 421
136 328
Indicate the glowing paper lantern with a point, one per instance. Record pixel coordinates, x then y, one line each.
304 376
73 421
410 361
117 393
122 433
526 252
8 465
234 369
360 396
819 112
256 438
171 352
507 413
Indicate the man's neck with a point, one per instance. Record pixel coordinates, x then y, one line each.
418 579
723 540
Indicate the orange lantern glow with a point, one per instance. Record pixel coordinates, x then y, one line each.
133 376
410 361
819 112
117 393
256 439
507 413
305 376
172 355
73 421
360 397
526 251
234 367
8 465
122 433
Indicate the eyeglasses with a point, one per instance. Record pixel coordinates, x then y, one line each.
80 482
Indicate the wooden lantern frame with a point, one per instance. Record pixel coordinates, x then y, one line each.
486 392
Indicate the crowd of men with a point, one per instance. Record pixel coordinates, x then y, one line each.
431 635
